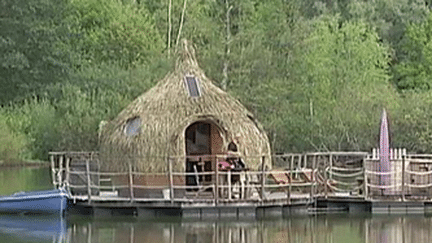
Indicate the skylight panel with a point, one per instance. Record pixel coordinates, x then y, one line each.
193 86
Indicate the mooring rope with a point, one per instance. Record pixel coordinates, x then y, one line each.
381 173
419 186
346 175
419 172
383 187
345 169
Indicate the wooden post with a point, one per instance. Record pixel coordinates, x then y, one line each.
88 180
403 178
229 184
216 195
291 179
60 171
171 188
131 183
326 176
326 183
53 170
67 179
365 170
262 178
312 194
304 166
98 175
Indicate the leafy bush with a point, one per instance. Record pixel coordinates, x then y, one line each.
12 144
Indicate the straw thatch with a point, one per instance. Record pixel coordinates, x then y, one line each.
167 110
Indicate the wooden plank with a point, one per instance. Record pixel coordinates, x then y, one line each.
171 188
262 178
331 166
131 183
67 179
88 180
279 177
339 153
291 176
326 176
312 178
53 171
216 195
60 172
403 177
229 184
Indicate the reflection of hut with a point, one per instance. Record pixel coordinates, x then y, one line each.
183 115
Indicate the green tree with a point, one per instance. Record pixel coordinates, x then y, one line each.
340 89
411 123
111 31
414 72
31 59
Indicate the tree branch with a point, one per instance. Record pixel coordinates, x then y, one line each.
169 28
181 23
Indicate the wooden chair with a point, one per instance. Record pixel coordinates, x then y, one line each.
281 178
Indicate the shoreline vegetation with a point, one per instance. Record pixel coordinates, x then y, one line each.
4 164
316 74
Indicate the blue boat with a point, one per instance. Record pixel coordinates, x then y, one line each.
49 201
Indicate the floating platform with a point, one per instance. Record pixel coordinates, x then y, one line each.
189 211
321 205
311 183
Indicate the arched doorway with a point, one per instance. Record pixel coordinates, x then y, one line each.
203 143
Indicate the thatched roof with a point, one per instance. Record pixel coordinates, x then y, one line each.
166 110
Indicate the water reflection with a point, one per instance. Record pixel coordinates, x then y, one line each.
330 228
336 228
32 228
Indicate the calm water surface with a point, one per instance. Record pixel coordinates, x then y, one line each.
322 228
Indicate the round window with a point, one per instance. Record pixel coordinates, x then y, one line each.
133 127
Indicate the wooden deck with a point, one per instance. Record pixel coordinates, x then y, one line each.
302 180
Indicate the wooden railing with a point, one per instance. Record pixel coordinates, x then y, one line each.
292 178
81 174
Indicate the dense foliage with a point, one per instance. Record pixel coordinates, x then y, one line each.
317 74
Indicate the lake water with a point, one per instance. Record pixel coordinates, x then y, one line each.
319 228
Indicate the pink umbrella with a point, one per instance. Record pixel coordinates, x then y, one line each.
384 154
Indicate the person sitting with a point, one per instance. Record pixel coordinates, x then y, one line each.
233 145
234 158
225 166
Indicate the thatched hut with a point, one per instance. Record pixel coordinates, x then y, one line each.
185 114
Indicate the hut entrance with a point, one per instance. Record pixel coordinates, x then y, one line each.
203 142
